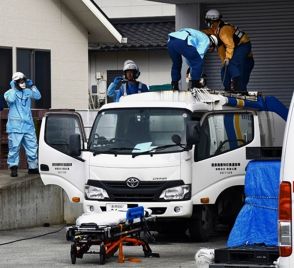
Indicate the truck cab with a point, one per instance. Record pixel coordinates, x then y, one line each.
182 157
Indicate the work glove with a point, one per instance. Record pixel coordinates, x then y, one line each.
117 80
29 83
12 84
226 62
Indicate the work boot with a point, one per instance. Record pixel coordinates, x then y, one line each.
197 84
33 171
235 84
175 85
13 172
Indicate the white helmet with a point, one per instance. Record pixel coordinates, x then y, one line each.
213 40
131 65
17 76
211 15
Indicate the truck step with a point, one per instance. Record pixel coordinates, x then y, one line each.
257 255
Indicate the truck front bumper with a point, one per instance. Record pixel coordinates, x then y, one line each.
180 209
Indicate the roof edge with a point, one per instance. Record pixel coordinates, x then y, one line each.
143 19
100 15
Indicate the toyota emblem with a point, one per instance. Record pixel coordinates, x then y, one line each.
132 182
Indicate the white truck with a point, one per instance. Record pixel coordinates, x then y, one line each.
181 156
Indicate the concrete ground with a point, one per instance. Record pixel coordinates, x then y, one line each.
54 251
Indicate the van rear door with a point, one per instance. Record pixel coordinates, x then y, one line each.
286 198
56 164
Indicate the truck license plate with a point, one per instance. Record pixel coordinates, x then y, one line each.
115 207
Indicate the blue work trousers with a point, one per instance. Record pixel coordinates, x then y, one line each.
240 66
177 48
29 142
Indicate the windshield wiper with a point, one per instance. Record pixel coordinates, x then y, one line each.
113 150
159 148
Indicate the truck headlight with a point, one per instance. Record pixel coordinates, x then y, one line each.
92 192
177 193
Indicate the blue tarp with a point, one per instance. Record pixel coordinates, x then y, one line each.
257 220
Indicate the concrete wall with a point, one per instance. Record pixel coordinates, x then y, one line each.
47 24
27 202
154 65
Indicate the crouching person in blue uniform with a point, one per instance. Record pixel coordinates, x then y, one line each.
20 126
127 85
192 45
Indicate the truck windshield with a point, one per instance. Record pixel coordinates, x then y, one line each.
135 131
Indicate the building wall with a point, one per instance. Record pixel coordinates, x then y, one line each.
154 65
47 24
135 8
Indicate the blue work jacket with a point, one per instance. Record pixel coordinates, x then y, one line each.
20 118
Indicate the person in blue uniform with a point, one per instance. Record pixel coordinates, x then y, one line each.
20 125
234 51
127 85
192 45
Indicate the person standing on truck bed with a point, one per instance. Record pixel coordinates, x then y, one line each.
234 49
20 125
128 84
192 44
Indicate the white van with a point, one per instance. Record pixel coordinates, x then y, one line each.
286 198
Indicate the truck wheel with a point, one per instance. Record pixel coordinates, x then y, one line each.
201 224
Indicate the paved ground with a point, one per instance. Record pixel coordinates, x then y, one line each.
53 251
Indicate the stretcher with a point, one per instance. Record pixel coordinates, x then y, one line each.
109 232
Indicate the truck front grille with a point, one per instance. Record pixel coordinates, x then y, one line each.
147 191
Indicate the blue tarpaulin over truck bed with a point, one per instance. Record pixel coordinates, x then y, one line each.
257 220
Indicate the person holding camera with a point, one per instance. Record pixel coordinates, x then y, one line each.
20 125
127 85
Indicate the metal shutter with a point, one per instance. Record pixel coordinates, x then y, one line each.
270 26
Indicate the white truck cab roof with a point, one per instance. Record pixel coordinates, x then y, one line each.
173 99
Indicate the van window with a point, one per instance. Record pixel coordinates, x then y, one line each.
221 133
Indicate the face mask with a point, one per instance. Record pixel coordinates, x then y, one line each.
22 85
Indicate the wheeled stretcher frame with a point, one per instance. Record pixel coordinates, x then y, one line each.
110 238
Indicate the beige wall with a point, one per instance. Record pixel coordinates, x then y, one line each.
154 65
47 24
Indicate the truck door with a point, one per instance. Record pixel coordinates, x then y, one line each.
220 157
55 163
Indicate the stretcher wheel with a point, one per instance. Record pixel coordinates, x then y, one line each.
102 254
73 253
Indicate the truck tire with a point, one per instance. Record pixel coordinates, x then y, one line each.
201 225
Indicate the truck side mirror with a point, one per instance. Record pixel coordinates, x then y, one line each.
75 145
193 133
176 139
